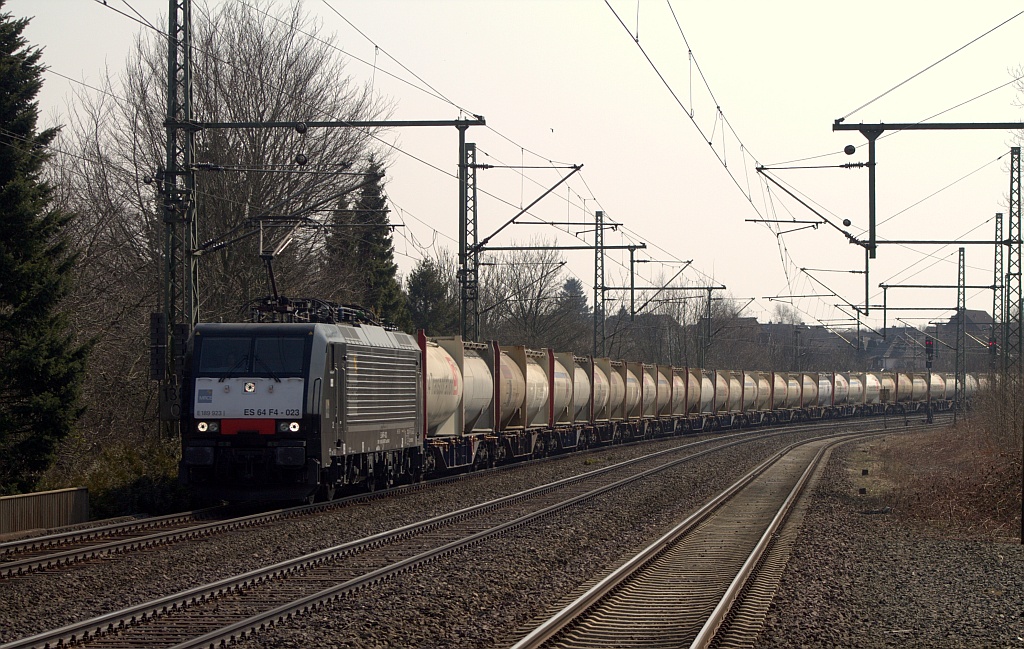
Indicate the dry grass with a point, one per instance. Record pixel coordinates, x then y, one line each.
962 481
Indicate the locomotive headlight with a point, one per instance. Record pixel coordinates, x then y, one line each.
202 427
208 426
293 427
288 426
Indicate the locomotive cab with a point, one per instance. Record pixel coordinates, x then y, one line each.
246 427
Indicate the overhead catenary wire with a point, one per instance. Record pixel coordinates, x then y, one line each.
569 198
929 67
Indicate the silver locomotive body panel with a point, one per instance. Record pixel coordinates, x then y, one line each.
371 400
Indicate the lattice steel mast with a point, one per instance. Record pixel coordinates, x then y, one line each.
181 269
1014 339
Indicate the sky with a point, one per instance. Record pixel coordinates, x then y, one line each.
670 106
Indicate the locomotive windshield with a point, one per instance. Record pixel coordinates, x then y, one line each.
274 356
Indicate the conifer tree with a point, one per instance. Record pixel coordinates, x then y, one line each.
433 299
361 250
41 365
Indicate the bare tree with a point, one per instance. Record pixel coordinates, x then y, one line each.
518 291
253 62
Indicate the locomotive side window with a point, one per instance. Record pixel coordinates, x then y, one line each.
280 356
224 356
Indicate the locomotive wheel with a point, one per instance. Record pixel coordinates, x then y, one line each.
325 493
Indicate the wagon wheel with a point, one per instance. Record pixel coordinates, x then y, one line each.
483 459
540 449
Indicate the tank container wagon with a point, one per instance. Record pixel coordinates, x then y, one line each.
293 410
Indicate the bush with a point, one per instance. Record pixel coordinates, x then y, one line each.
964 479
130 479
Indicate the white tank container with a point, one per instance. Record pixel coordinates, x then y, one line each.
721 391
764 391
872 387
793 392
919 391
581 393
938 386
632 391
749 391
810 393
678 394
781 390
735 393
664 393
562 385
856 392
970 385
841 388
479 388
617 394
693 392
707 393
650 394
888 384
950 386
444 386
512 389
904 387
825 389
537 393
602 391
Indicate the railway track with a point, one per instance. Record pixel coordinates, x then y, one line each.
708 580
237 606
56 551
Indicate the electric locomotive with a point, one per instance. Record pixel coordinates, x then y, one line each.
281 410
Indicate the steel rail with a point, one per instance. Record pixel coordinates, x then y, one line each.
87 630
571 613
11 567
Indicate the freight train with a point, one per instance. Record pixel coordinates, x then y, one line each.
296 410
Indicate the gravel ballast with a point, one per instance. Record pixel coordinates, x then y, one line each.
862 575
856 579
33 603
